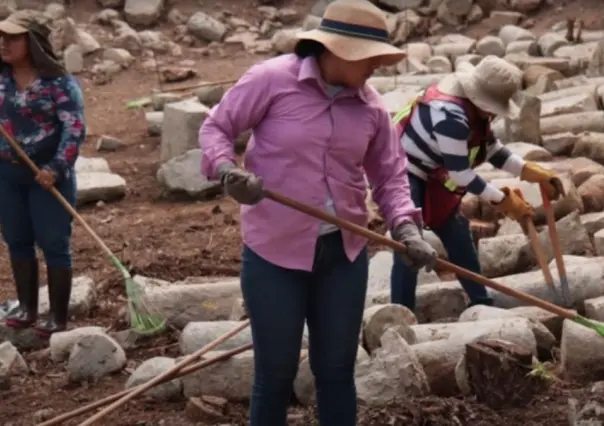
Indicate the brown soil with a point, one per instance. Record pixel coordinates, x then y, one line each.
173 240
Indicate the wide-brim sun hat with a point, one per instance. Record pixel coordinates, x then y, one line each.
30 24
17 23
492 85
354 30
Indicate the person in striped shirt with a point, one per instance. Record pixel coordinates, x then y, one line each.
445 133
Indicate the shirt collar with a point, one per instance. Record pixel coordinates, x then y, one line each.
309 70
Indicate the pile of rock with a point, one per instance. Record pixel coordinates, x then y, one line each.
96 182
123 30
400 354
561 112
411 18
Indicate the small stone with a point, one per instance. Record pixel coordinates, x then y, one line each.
108 144
151 368
74 59
95 356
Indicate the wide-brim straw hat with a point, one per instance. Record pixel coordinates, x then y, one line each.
17 23
28 22
491 85
354 30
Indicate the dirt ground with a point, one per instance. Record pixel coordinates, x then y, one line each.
174 240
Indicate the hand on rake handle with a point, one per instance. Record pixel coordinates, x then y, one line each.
551 184
514 206
46 178
243 186
419 252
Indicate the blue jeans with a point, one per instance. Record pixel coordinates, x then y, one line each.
30 214
331 299
456 237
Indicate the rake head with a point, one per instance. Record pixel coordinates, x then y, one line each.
144 318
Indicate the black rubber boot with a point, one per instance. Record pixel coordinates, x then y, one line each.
25 274
59 291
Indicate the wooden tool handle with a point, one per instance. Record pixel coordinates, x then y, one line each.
553 232
166 374
25 158
111 398
539 253
461 272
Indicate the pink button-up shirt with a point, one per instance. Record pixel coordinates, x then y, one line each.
308 147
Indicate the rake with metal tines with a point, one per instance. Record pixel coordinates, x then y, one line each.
144 319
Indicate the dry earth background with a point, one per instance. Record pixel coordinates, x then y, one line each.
175 239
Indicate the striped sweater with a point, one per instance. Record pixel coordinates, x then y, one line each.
437 135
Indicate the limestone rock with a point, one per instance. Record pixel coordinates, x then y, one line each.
180 175
198 334
143 12
11 361
393 372
379 318
490 45
184 302
95 356
590 145
180 128
586 362
62 343
99 186
231 378
440 358
151 368
592 194
206 28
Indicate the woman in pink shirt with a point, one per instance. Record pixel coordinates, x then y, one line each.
316 127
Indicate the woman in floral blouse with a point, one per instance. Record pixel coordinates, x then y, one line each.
42 107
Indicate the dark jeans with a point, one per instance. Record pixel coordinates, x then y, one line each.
30 214
331 299
457 239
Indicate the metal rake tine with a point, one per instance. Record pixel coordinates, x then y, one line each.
565 291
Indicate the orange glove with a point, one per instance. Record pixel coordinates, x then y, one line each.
534 173
514 206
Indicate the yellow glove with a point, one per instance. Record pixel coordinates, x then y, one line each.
514 206
534 173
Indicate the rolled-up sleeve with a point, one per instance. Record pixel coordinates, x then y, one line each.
242 108
386 168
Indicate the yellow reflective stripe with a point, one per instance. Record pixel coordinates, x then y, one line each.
452 186
407 110
449 184
400 115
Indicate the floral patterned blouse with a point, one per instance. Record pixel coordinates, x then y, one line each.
46 118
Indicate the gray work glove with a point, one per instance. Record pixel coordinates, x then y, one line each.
419 253
244 187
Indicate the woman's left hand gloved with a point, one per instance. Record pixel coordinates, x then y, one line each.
419 252
534 173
